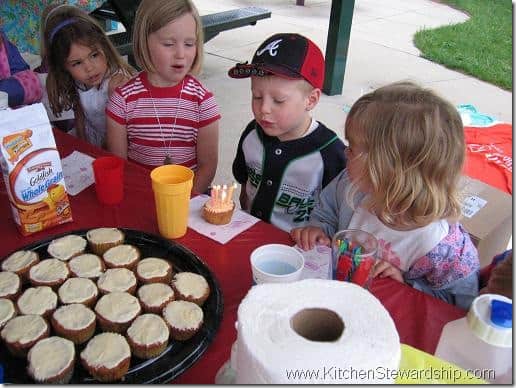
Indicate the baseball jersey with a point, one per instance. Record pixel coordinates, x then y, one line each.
182 110
282 179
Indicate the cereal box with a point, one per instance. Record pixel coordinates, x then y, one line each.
32 170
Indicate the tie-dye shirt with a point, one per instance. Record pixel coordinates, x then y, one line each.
21 19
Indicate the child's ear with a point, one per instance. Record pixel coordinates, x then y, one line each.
313 98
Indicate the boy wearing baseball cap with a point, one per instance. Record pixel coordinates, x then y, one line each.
284 156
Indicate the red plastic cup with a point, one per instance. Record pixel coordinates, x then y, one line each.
109 179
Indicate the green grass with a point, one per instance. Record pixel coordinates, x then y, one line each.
481 46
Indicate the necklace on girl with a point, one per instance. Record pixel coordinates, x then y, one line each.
168 157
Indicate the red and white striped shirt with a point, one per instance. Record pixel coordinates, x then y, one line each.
181 114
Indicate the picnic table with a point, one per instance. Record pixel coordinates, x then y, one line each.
213 24
419 318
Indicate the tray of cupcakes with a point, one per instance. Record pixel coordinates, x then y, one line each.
105 305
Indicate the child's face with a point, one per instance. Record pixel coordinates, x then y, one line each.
281 106
86 65
356 163
173 49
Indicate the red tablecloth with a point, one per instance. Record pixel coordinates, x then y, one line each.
419 318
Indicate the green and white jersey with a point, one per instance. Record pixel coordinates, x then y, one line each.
283 178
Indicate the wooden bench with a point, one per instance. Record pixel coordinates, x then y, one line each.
213 24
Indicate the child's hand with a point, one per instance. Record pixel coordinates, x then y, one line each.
384 269
307 237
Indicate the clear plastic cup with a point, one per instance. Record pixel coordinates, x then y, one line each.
354 255
172 186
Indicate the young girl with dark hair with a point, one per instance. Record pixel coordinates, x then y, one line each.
83 69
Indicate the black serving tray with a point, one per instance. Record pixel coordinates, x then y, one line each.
178 356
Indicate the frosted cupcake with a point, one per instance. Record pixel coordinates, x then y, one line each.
75 322
64 248
121 256
86 265
20 262
10 285
218 213
107 357
37 300
49 272
7 311
78 290
117 280
116 311
101 239
191 287
154 270
148 336
184 319
51 361
154 297
22 332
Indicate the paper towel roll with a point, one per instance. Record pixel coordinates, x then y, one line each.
314 331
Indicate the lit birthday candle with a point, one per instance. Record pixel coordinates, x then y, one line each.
219 208
224 194
230 191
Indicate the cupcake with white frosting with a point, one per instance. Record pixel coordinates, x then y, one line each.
191 287
155 296
101 239
148 336
78 290
154 270
183 318
66 247
116 311
51 361
107 357
22 332
7 311
49 272
217 212
37 300
117 280
20 263
121 256
75 322
10 285
86 265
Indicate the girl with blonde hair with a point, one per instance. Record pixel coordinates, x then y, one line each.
404 161
83 69
165 115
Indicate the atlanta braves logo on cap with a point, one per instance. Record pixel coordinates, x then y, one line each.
291 56
271 47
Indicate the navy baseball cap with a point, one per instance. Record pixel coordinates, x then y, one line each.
290 56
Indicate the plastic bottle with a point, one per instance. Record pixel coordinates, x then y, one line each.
482 340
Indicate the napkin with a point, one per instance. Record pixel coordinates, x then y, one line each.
221 233
77 171
317 262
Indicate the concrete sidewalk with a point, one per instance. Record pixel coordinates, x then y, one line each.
380 51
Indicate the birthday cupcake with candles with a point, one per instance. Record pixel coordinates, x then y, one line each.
219 209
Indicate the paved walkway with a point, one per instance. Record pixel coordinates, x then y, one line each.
380 51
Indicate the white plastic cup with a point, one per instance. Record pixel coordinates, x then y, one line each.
276 263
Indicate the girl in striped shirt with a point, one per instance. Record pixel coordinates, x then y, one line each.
164 114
